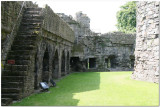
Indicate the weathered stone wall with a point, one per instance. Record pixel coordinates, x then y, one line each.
56 39
111 46
147 42
83 19
54 24
93 45
11 15
79 28
41 50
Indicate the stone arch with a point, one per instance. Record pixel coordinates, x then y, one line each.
112 61
68 63
63 59
55 65
45 67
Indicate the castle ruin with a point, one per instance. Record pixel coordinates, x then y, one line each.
102 52
39 45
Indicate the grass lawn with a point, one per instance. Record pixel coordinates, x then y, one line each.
97 89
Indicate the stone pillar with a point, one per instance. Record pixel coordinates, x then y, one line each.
147 42
39 68
65 62
69 62
59 62
51 55
88 63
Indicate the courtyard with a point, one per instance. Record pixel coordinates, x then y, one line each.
96 89
115 65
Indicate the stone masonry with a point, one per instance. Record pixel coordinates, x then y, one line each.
147 42
112 51
41 50
11 12
104 52
43 45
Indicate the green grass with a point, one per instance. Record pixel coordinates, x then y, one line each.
97 89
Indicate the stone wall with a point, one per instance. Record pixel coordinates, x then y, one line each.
54 24
89 45
147 42
83 19
78 26
113 51
55 41
11 15
41 49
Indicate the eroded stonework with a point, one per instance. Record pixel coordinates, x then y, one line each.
103 52
112 51
147 42
39 50
44 46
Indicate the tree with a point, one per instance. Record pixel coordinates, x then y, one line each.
126 18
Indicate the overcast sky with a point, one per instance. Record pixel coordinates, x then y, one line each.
102 13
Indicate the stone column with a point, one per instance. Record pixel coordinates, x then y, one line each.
65 62
59 62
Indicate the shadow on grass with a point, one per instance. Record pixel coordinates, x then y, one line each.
63 93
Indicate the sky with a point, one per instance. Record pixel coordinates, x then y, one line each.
102 13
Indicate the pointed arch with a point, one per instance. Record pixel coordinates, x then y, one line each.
55 66
45 70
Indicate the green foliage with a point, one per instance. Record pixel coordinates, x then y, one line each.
96 89
126 18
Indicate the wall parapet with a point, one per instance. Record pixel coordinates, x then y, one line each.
54 24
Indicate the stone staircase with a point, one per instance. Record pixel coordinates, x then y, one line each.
22 51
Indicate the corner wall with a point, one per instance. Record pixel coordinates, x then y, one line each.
147 42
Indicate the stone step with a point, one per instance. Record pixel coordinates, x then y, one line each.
30 28
17 42
13 78
32 12
33 32
11 90
14 96
28 23
6 84
24 40
16 67
32 20
14 73
21 52
33 9
23 47
17 57
26 37
23 62
32 16
6 101
27 31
